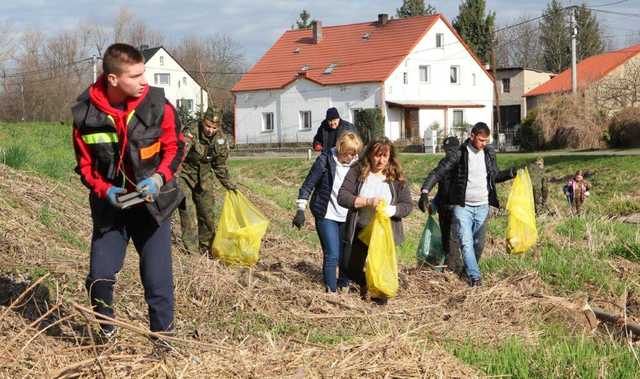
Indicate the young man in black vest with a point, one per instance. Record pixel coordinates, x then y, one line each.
127 139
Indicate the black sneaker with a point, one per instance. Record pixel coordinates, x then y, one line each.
475 282
379 300
364 291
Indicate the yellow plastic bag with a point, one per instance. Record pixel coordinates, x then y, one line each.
381 268
240 231
521 224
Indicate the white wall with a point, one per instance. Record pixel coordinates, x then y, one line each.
439 89
286 104
162 62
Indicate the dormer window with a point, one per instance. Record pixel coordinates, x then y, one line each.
366 36
296 50
330 69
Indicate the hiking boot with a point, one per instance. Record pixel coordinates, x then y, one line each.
475 282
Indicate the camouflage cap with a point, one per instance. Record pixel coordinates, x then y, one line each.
212 114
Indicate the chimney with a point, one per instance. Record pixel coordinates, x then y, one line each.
317 31
383 18
143 47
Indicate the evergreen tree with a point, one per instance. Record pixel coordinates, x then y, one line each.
555 38
589 40
412 8
476 28
304 21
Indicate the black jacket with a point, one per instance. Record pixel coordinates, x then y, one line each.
400 197
456 165
326 137
318 184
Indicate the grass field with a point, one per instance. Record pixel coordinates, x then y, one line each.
503 330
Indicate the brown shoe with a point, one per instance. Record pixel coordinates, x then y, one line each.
363 292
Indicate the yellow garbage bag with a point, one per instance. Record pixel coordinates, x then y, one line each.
521 224
381 267
240 231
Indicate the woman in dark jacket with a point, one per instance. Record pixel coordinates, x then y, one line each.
324 180
378 176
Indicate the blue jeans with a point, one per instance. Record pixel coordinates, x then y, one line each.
331 235
469 227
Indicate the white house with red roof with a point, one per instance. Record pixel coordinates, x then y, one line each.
417 70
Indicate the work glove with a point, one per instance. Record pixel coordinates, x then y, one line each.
112 195
150 186
298 220
423 203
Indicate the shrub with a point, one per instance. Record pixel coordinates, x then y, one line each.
15 156
370 124
567 121
624 128
530 136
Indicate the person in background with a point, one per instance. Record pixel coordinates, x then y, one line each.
321 185
577 191
539 183
474 173
450 146
377 177
330 130
206 156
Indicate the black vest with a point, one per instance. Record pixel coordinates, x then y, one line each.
142 153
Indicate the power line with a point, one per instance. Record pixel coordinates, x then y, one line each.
609 4
637 15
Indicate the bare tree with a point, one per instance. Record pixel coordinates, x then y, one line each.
216 62
520 45
619 90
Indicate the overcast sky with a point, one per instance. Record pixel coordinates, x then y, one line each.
255 25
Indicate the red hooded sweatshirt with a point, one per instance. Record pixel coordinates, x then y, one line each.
168 140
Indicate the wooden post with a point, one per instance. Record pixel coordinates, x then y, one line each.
495 88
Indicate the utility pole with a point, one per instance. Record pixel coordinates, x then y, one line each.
574 34
94 62
495 87
22 95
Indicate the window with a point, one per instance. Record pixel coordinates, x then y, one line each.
184 80
425 74
305 120
473 78
161 60
454 76
458 118
267 122
405 78
161 79
439 40
185 104
506 85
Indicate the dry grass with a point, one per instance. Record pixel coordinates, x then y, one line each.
269 321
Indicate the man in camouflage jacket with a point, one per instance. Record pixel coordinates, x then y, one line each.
207 151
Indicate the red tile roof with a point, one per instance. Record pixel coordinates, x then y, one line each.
590 70
358 60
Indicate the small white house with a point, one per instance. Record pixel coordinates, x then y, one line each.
417 70
180 88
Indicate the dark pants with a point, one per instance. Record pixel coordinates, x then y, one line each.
153 244
445 216
331 234
355 260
